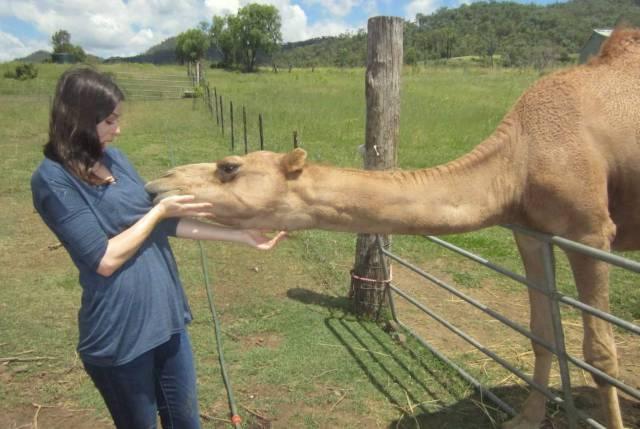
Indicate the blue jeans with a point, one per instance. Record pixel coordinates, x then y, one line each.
162 380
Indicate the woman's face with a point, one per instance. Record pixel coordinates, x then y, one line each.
109 128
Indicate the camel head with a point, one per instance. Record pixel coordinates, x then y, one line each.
251 191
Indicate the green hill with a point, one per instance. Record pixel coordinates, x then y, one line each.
36 57
43 56
518 34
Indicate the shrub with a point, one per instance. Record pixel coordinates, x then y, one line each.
23 71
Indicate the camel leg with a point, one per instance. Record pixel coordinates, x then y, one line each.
533 411
592 281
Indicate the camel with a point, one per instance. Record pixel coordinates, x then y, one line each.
565 160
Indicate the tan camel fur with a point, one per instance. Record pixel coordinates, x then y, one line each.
565 160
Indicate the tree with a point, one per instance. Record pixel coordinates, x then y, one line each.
222 36
342 57
61 42
259 27
78 53
192 45
256 28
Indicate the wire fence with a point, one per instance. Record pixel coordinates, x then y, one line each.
225 113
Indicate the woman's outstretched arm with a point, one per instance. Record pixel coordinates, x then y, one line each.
197 230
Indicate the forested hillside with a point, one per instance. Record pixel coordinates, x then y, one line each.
506 33
520 34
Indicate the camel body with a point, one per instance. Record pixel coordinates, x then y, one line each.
565 160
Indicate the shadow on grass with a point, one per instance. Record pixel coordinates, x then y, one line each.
427 392
469 413
409 377
310 297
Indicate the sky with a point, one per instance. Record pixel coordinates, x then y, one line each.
129 27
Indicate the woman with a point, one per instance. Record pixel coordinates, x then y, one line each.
133 315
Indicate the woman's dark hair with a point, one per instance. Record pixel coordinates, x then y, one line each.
84 97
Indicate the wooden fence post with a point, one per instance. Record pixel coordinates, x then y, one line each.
382 88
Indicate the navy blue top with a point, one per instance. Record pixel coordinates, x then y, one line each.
140 305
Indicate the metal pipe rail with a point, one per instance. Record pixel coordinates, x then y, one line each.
544 390
152 87
145 80
564 243
548 289
577 247
471 301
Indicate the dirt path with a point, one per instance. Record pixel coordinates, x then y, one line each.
36 416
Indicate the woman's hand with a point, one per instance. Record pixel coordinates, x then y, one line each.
182 206
261 241
123 246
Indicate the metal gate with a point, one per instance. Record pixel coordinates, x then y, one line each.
555 298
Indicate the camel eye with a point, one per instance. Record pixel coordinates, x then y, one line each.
230 168
227 171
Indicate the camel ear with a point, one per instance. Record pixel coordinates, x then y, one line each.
293 161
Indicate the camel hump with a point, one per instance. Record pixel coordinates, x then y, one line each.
623 42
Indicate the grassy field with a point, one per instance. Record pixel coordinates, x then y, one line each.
296 354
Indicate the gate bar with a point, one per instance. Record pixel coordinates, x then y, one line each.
475 343
599 313
593 370
473 302
557 295
556 399
611 258
545 391
549 266
514 276
464 374
561 297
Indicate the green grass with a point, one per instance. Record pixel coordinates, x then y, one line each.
295 352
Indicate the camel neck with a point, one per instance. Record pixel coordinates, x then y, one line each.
474 191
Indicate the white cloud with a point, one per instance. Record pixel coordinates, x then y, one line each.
424 7
294 23
328 28
11 47
111 27
129 27
222 7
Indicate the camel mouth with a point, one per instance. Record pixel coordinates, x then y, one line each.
158 192
157 197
